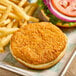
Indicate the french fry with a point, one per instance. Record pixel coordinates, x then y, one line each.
22 3
26 9
2 35
4 23
5 15
33 19
10 25
31 11
15 1
16 24
25 23
1 49
13 16
3 8
20 12
1 11
5 40
22 24
8 30
26 4
0 15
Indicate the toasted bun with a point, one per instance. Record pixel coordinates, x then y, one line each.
38 45
46 18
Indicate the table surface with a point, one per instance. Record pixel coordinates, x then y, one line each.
72 68
70 72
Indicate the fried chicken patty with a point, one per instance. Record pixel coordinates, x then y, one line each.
38 43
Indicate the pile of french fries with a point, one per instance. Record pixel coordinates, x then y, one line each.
13 15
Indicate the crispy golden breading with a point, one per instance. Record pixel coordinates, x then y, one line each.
38 43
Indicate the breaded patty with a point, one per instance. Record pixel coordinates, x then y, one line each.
38 43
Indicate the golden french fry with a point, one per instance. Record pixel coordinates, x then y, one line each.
15 25
20 12
1 49
3 8
10 25
31 11
3 35
30 7
22 3
4 23
22 24
5 40
1 11
0 15
33 19
25 23
26 4
26 9
15 1
13 16
33 8
5 15
8 30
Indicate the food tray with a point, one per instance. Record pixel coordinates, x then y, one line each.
9 63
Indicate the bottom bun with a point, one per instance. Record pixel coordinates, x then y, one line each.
41 66
66 25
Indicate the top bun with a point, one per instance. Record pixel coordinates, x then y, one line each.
38 45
